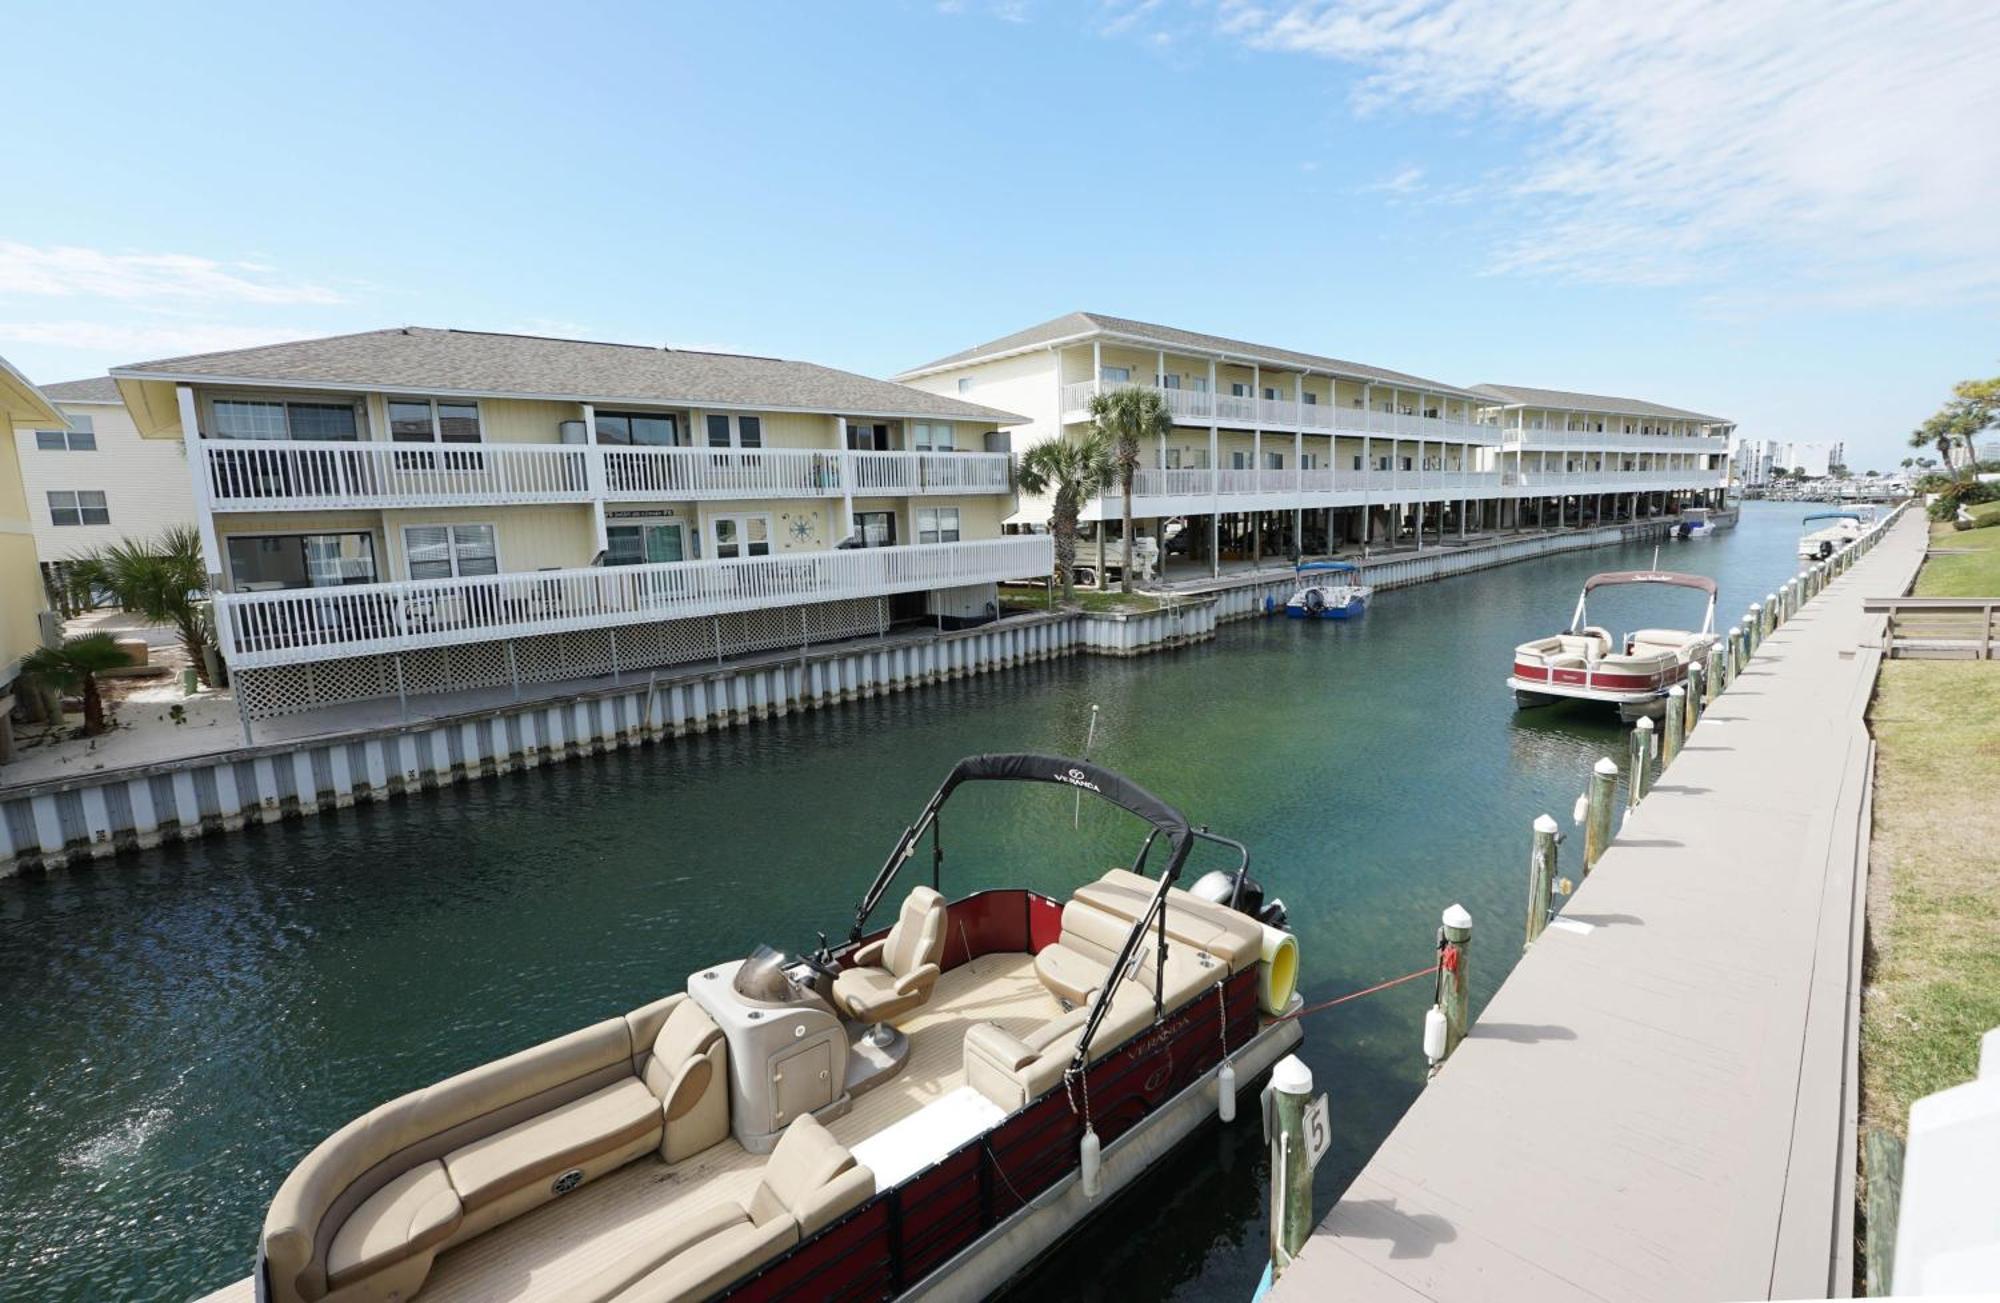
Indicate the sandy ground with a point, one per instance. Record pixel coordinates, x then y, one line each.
143 727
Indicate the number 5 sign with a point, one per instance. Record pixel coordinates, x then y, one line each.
1319 1130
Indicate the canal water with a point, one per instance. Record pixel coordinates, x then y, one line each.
178 1027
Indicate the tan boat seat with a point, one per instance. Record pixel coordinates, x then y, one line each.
1075 966
687 1070
412 1215
1236 939
895 975
810 1181
614 1120
1011 1070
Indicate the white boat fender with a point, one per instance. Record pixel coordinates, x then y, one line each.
1434 1034
1278 973
1093 1164
1225 1091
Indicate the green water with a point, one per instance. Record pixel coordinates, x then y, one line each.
180 1026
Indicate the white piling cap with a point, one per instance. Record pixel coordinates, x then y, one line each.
1546 823
1677 691
1455 916
1607 766
1735 630
1646 723
1770 597
1292 1076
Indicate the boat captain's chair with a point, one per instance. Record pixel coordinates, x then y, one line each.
892 976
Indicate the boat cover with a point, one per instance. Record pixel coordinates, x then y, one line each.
1701 582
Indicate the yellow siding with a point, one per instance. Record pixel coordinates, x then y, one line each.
21 599
529 538
520 420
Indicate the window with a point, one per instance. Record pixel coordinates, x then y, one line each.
1357 461
450 551
748 431
1116 375
937 525
639 429
867 438
1239 461
1312 399
419 420
82 507
258 562
741 536
1308 461
1270 393
1170 382
931 437
965 384
247 419
1274 461
1201 384
875 528
631 545
1384 463
81 436
1173 459
1237 389
1406 463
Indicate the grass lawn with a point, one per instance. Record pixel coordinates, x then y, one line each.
1976 573
1034 597
1933 985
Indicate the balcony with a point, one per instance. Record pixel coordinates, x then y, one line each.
1198 407
1612 481
306 624
1184 492
258 476
1698 444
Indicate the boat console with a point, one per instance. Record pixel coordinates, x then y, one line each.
787 1049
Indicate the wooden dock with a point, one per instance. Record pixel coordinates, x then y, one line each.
1659 1101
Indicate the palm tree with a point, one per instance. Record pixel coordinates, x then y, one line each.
1124 419
76 665
1074 471
164 580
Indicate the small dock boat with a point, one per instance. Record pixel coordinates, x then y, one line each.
1328 591
921 1110
1819 544
1583 663
1694 523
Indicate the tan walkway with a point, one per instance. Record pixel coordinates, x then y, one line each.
1659 1107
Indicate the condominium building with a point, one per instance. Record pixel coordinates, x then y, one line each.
1273 448
21 605
1759 459
92 481
416 509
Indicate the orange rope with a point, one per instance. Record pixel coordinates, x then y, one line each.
1356 995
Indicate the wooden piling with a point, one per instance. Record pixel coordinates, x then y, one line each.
1641 753
1454 994
1597 815
1753 628
1676 721
1696 673
1712 678
1774 614
1291 1162
1541 875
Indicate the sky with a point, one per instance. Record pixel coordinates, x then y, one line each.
1780 213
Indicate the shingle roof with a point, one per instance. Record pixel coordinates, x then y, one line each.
98 389
1563 400
1075 324
417 358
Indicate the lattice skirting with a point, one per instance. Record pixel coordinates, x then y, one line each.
545 658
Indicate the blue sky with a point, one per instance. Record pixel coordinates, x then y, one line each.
1776 212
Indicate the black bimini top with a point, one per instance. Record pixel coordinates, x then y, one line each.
1028 767
1700 582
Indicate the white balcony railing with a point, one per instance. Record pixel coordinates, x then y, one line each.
1200 407
308 624
261 476
280 475
1662 443
1185 490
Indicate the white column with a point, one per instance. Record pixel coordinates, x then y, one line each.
1367 464
593 460
204 487
1214 479
1160 379
845 460
1096 366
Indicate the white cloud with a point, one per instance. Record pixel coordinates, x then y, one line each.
1844 151
65 271
1405 180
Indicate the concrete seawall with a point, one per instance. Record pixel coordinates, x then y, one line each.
74 819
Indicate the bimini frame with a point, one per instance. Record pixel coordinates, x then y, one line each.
1083 776
1611 578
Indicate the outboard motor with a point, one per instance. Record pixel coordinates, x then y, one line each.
1278 960
1218 885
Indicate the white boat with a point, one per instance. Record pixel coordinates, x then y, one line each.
1694 523
1584 663
920 1111
1328 590
1819 544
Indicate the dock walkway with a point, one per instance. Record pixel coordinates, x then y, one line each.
1659 1101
